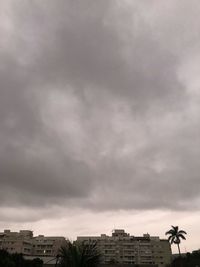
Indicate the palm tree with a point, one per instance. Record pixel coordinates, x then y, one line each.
79 254
175 236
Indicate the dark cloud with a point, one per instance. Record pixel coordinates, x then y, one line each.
84 45
92 108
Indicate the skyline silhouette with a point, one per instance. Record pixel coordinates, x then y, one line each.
100 117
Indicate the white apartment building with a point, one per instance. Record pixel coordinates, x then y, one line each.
124 248
17 242
47 245
121 247
24 242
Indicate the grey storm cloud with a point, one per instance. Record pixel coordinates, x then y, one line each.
93 111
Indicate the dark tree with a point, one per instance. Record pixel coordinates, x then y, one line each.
17 260
175 236
75 254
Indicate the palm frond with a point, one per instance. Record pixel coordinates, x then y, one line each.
170 232
80 254
182 232
175 228
181 236
172 239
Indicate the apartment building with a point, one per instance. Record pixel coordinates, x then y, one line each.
24 242
17 242
47 245
124 248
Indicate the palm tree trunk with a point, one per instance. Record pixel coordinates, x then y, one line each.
179 249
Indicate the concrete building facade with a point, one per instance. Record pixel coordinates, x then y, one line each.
123 248
24 242
47 246
118 249
17 242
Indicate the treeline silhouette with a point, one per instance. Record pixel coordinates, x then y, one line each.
73 255
188 260
17 260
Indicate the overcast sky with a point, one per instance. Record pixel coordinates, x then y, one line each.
100 116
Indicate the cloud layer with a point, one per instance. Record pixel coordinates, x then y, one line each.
99 105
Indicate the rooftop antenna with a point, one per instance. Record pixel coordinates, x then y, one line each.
113 230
